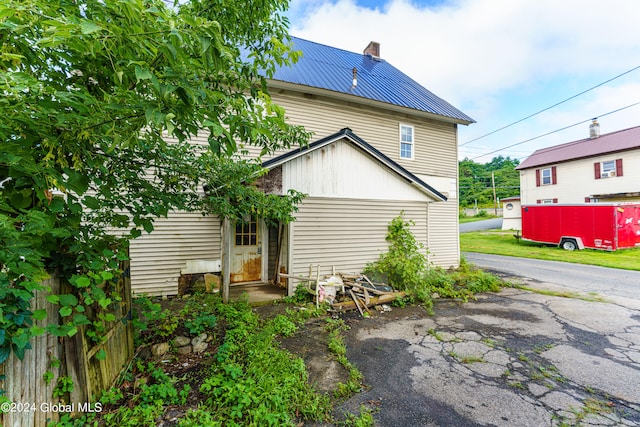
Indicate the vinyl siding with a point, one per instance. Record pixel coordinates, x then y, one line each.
444 237
576 180
158 258
342 170
435 142
347 233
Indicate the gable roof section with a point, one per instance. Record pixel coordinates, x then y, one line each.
348 134
622 140
330 68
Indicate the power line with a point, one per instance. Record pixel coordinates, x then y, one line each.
557 130
548 108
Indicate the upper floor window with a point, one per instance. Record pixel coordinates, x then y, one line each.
607 169
546 176
406 141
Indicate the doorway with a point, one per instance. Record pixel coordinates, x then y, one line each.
246 259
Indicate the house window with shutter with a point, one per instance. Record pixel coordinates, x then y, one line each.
546 176
406 142
607 169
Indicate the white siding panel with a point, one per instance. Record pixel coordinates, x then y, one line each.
435 142
342 170
444 237
157 258
347 233
576 180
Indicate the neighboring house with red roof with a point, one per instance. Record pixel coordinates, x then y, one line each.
382 145
601 168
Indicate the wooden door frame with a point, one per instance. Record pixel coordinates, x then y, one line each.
228 236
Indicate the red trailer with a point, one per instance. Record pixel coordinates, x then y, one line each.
607 226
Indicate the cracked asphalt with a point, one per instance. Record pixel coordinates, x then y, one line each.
513 358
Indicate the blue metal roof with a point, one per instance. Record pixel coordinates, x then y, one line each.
330 68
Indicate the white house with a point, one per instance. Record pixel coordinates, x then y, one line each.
601 168
382 144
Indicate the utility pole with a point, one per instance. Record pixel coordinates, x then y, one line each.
495 200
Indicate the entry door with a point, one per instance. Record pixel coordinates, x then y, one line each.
246 262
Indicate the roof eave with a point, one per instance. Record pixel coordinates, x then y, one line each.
347 133
279 84
523 166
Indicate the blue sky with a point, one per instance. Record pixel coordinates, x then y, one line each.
499 60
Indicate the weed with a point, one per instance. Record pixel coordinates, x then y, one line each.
542 348
517 384
200 324
364 419
63 386
522 357
591 297
435 334
489 342
472 359
283 325
338 348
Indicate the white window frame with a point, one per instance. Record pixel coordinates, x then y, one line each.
544 179
402 142
609 170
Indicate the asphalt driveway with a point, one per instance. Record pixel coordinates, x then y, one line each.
514 358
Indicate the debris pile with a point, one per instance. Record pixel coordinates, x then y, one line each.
348 291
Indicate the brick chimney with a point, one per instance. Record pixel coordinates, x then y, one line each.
373 50
594 129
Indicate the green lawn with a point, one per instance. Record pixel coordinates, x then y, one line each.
503 243
466 219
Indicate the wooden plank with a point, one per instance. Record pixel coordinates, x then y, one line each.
380 299
355 301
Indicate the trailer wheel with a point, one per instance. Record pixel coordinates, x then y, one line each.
569 245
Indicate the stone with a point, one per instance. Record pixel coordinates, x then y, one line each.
200 347
181 341
199 339
184 350
160 349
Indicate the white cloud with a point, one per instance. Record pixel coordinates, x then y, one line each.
498 60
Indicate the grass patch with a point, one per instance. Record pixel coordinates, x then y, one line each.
337 346
500 242
590 297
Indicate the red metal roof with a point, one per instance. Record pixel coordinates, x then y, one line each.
622 140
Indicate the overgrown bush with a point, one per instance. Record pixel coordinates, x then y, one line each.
405 263
405 267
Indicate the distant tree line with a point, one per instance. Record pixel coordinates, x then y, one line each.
476 184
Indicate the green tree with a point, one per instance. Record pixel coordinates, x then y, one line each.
476 185
100 99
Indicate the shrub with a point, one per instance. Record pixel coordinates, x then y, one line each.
405 262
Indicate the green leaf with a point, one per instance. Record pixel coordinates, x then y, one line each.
2 338
101 354
65 311
53 299
36 330
68 300
82 282
5 351
91 202
142 73
76 181
107 275
88 27
40 314
80 319
20 340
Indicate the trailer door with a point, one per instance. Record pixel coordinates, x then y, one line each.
628 226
